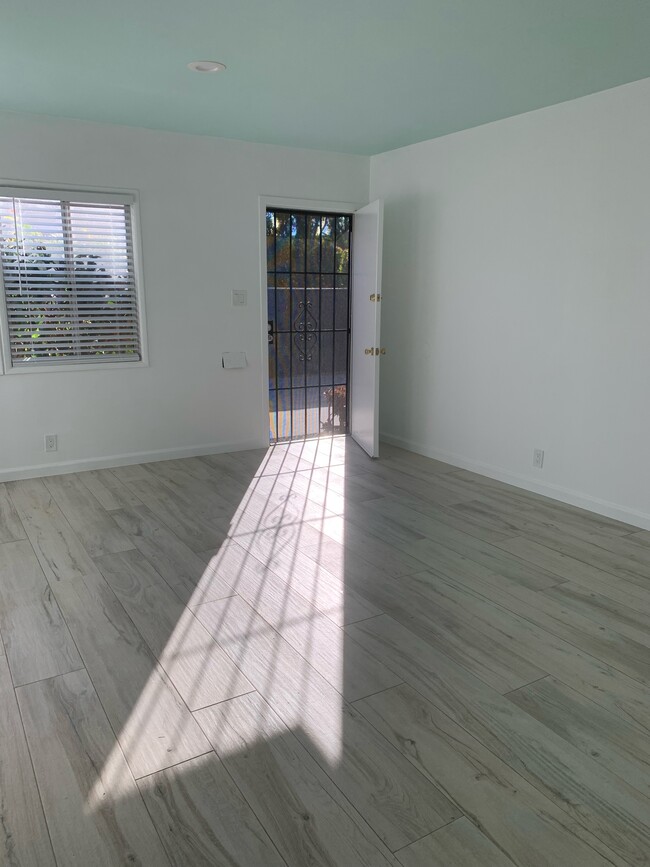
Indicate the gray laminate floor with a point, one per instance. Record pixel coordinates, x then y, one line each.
304 657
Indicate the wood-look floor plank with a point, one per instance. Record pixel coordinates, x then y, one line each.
517 518
94 526
623 565
630 620
353 570
199 669
183 569
484 553
393 527
458 844
201 468
627 547
129 472
202 818
641 537
394 798
192 527
24 837
438 548
464 555
270 502
281 549
382 479
323 451
429 519
609 809
81 772
489 610
350 669
308 818
229 466
208 495
154 726
36 637
522 823
353 490
610 741
484 566
518 499
569 568
356 539
600 642
322 500
413 463
414 602
270 462
11 527
58 548
108 490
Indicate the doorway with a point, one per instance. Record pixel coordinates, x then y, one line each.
308 294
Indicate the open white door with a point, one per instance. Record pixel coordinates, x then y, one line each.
367 236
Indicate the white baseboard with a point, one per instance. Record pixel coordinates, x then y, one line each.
107 461
547 489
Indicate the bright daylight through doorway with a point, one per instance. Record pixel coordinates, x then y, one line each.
308 296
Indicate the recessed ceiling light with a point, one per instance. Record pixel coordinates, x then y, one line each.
206 66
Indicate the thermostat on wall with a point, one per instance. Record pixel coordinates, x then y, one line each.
233 360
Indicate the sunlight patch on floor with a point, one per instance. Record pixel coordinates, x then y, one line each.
257 586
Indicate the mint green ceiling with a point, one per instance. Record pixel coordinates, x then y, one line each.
362 76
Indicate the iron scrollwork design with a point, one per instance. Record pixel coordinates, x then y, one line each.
305 326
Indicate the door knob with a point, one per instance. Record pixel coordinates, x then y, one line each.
382 351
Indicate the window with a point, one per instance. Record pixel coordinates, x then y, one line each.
68 279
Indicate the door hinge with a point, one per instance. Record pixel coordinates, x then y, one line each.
375 296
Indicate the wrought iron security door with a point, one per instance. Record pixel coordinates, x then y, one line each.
308 285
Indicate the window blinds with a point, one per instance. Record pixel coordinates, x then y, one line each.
68 276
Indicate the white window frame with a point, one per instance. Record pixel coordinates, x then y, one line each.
99 195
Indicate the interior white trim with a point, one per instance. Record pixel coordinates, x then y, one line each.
63 194
107 461
547 489
310 204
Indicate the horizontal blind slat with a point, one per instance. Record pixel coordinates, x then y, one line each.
69 277
80 359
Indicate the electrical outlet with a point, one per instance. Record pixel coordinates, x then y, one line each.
538 458
51 443
239 298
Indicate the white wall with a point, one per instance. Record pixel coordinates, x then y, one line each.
517 299
200 237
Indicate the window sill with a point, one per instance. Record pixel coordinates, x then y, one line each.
73 368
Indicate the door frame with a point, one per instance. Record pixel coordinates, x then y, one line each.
282 203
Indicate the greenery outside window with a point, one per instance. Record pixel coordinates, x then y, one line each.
69 279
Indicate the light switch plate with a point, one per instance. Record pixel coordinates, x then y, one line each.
239 298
